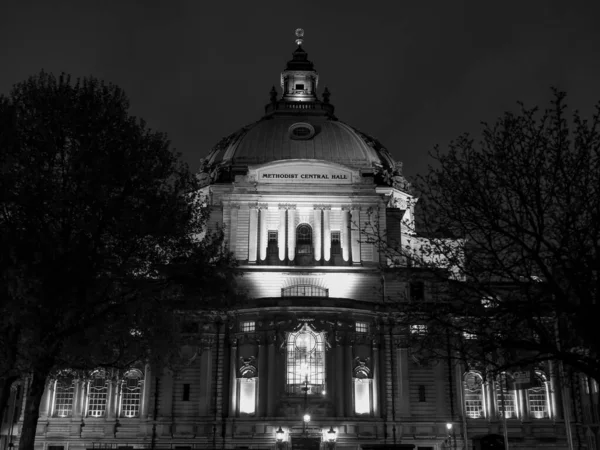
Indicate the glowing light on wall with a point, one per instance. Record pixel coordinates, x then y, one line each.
247 395
362 396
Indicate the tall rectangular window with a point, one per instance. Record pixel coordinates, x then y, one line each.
131 393
247 395
336 248
97 395
362 395
63 397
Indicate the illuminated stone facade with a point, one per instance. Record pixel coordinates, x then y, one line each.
294 192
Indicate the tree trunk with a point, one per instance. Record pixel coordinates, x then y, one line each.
5 384
32 408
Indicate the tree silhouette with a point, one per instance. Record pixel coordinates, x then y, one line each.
100 226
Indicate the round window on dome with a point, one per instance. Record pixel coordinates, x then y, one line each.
301 131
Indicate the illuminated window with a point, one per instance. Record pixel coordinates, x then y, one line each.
418 329
304 290
538 397
97 394
247 395
63 397
131 393
248 327
363 388
305 361
247 386
362 327
473 395
505 398
362 395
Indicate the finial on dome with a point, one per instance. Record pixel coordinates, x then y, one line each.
299 36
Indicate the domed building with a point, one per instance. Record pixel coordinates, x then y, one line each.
313 359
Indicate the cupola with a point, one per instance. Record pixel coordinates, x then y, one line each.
299 80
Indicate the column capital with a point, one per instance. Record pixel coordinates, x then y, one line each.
258 205
287 206
234 205
322 207
351 207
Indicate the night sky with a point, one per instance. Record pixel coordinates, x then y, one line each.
413 74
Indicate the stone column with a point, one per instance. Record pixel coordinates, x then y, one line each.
355 235
348 378
490 393
375 375
262 377
317 238
403 406
263 231
233 378
253 235
327 233
441 376
46 399
291 244
233 227
338 389
112 398
555 392
205 381
345 234
281 239
144 407
272 376
79 399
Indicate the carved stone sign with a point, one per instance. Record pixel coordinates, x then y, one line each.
303 172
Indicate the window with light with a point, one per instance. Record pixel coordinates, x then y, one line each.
363 389
538 397
418 329
64 391
248 326
362 327
97 393
305 361
131 393
247 386
473 395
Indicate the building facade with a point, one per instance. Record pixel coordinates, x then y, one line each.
314 358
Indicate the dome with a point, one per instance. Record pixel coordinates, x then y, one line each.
277 137
298 125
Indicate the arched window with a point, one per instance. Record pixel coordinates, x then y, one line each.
64 389
305 361
473 395
304 290
304 239
505 398
131 393
538 397
97 393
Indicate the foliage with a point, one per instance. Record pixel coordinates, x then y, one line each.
96 211
525 203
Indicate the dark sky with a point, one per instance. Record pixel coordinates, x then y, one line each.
411 73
